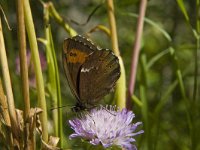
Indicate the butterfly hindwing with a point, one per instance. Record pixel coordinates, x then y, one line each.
98 75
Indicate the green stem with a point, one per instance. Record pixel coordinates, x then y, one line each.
37 67
137 100
197 49
183 93
113 28
120 92
157 57
195 105
54 80
51 69
120 96
196 69
144 109
60 20
55 88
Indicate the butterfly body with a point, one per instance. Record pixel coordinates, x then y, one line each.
91 72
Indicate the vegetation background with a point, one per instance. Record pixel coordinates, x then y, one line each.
166 95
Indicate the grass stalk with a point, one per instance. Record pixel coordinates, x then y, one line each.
37 67
54 84
196 50
60 20
8 87
183 93
24 73
5 115
51 70
120 95
136 51
137 101
195 97
143 97
113 28
54 80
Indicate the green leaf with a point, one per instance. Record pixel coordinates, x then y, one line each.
154 24
182 7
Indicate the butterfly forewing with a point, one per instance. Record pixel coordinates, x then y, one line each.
74 55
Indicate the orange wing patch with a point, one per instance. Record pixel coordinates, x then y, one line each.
76 56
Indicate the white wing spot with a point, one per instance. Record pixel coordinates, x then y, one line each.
86 69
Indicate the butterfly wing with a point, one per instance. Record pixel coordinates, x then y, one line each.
75 52
98 75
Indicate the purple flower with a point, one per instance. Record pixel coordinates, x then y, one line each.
107 126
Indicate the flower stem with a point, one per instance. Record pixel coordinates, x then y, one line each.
120 95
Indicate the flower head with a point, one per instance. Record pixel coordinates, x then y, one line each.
107 126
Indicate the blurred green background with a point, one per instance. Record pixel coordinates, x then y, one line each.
168 105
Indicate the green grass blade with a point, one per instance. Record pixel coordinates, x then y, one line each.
184 11
136 100
154 59
152 23
54 84
37 67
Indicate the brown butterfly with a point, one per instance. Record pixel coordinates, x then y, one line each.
91 72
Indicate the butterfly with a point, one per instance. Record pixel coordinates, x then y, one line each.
91 72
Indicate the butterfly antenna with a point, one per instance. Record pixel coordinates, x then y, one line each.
109 111
58 107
